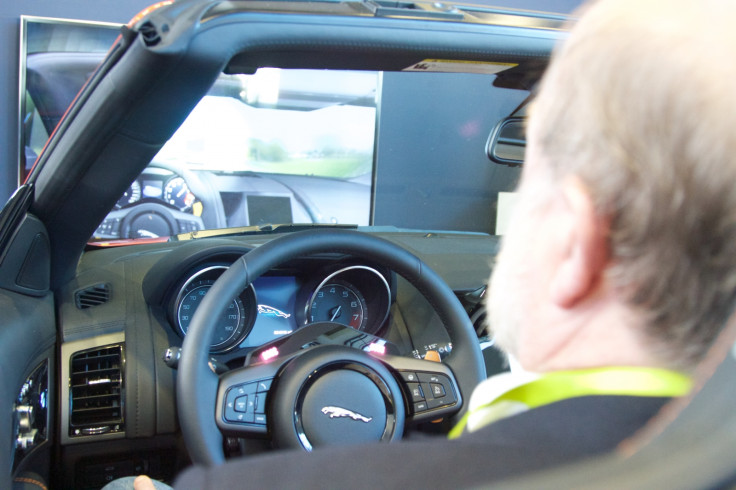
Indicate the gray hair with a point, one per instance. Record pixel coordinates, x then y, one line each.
641 104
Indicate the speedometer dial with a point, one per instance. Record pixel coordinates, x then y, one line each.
131 195
230 326
338 302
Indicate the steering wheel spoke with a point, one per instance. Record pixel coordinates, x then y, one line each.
241 400
430 388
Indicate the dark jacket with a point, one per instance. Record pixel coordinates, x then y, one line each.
562 432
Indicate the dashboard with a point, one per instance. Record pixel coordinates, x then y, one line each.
166 282
127 306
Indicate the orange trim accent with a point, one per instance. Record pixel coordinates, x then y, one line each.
128 241
434 356
147 11
24 479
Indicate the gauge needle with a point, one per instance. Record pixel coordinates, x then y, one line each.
336 314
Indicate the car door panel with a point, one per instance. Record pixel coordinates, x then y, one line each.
27 340
27 347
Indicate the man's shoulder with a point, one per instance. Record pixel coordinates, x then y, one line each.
575 427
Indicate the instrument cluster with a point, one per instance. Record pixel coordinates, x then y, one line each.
159 184
279 303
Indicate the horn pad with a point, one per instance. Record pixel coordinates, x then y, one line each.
332 395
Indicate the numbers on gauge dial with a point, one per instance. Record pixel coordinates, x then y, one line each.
230 325
132 194
338 302
177 194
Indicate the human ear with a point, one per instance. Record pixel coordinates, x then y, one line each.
583 254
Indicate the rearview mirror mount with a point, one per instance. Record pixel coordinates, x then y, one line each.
507 143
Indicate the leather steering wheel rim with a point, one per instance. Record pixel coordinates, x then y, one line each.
197 384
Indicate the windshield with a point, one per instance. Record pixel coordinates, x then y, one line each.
401 149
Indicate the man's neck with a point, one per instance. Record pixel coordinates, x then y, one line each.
607 335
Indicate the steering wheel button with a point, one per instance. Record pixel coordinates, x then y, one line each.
231 396
417 395
437 390
261 403
430 378
230 414
263 386
440 402
241 403
420 407
260 419
409 377
434 403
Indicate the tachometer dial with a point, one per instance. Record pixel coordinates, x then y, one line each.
338 302
357 296
177 194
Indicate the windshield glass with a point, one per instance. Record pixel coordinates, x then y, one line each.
404 149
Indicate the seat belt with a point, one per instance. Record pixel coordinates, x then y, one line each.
563 385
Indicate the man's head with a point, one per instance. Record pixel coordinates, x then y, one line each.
625 237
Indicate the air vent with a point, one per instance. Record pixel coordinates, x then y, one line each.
92 296
495 360
478 319
96 391
149 33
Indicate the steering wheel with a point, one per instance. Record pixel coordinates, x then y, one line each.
326 383
149 219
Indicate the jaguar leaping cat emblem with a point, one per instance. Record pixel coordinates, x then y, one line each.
337 412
